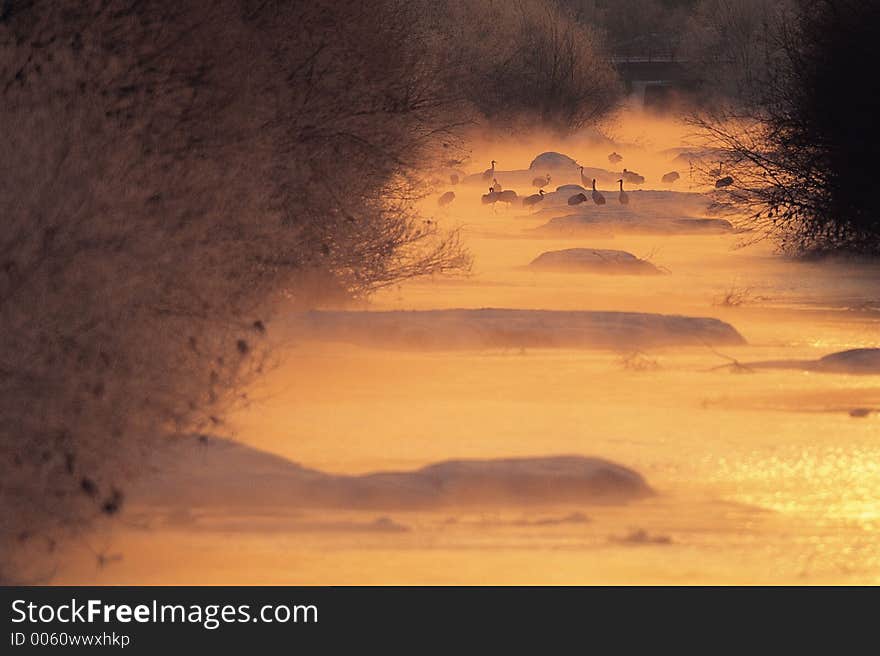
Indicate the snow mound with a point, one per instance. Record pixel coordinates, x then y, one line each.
853 361
509 328
551 161
212 472
860 361
628 221
645 204
593 260
527 480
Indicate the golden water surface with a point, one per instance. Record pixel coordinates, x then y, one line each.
763 476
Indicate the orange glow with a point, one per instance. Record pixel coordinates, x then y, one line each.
763 477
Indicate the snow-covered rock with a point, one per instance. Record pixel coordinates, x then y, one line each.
552 161
508 328
213 472
648 212
644 205
593 260
574 225
853 361
550 479
860 361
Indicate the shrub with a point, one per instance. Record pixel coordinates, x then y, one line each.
801 150
168 171
526 63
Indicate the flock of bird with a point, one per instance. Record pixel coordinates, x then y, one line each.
497 194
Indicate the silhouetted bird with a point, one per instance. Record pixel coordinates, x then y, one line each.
541 182
534 199
726 181
632 177
598 198
507 196
623 197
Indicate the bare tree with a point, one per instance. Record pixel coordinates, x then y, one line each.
526 63
644 28
731 47
800 151
168 170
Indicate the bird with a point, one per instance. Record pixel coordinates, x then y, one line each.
726 181
534 199
670 177
584 180
577 199
598 198
496 185
632 177
623 197
491 197
507 196
489 174
614 158
446 198
541 182
453 178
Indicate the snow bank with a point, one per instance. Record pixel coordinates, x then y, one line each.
552 161
593 260
861 361
610 219
853 361
211 472
565 168
653 203
504 328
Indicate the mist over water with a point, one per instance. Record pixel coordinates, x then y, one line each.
761 475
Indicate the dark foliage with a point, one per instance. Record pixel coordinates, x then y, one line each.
170 172
525 63
802 152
